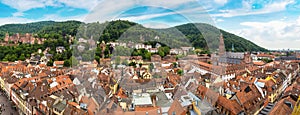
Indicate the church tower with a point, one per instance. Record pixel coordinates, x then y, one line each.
247 58
221 45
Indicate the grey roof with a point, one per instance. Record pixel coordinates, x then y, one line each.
162 99
60 106
232 57
237 55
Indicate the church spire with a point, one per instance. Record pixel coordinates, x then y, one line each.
221 45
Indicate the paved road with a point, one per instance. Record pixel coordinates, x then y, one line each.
7 108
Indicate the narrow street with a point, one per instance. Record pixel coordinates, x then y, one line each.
6 106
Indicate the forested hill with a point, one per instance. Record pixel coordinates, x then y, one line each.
26 28
197 39
42 28
119 28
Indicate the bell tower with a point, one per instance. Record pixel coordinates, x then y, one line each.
221 45
247 58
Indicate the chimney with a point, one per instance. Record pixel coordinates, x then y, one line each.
154 100
42 88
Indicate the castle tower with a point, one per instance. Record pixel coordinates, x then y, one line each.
6 39
18 36
103 47
221 45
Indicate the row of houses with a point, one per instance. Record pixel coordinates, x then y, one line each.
249 93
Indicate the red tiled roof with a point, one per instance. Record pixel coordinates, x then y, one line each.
146 108
176 108
204 64
91 104
265 55
231 105
259 63
248 96
282 108
58 62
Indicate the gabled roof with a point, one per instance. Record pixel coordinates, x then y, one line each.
92 105
231 105
58 62
176 108
248 94
284 107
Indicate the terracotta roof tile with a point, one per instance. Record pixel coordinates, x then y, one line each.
176 108
59 62
283 107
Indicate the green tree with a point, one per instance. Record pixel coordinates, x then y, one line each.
161 53
174 65
266 60
132 64
6 58
180 72
125 62
151 67
67 63
118 60
97 58
147 56
22 57
86 57
74 61
197 51
50 62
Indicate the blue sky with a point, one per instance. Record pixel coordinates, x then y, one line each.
273 24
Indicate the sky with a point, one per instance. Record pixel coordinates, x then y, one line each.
272 24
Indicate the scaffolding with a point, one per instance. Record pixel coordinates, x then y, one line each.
296 110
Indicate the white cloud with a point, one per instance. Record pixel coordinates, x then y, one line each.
105 10
192 10
217 20
145 17
20 20
185 12
14 20
156 25
277 34
221 2
109 10
85 4
18 14
25 5
247 9
165 3
55 17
